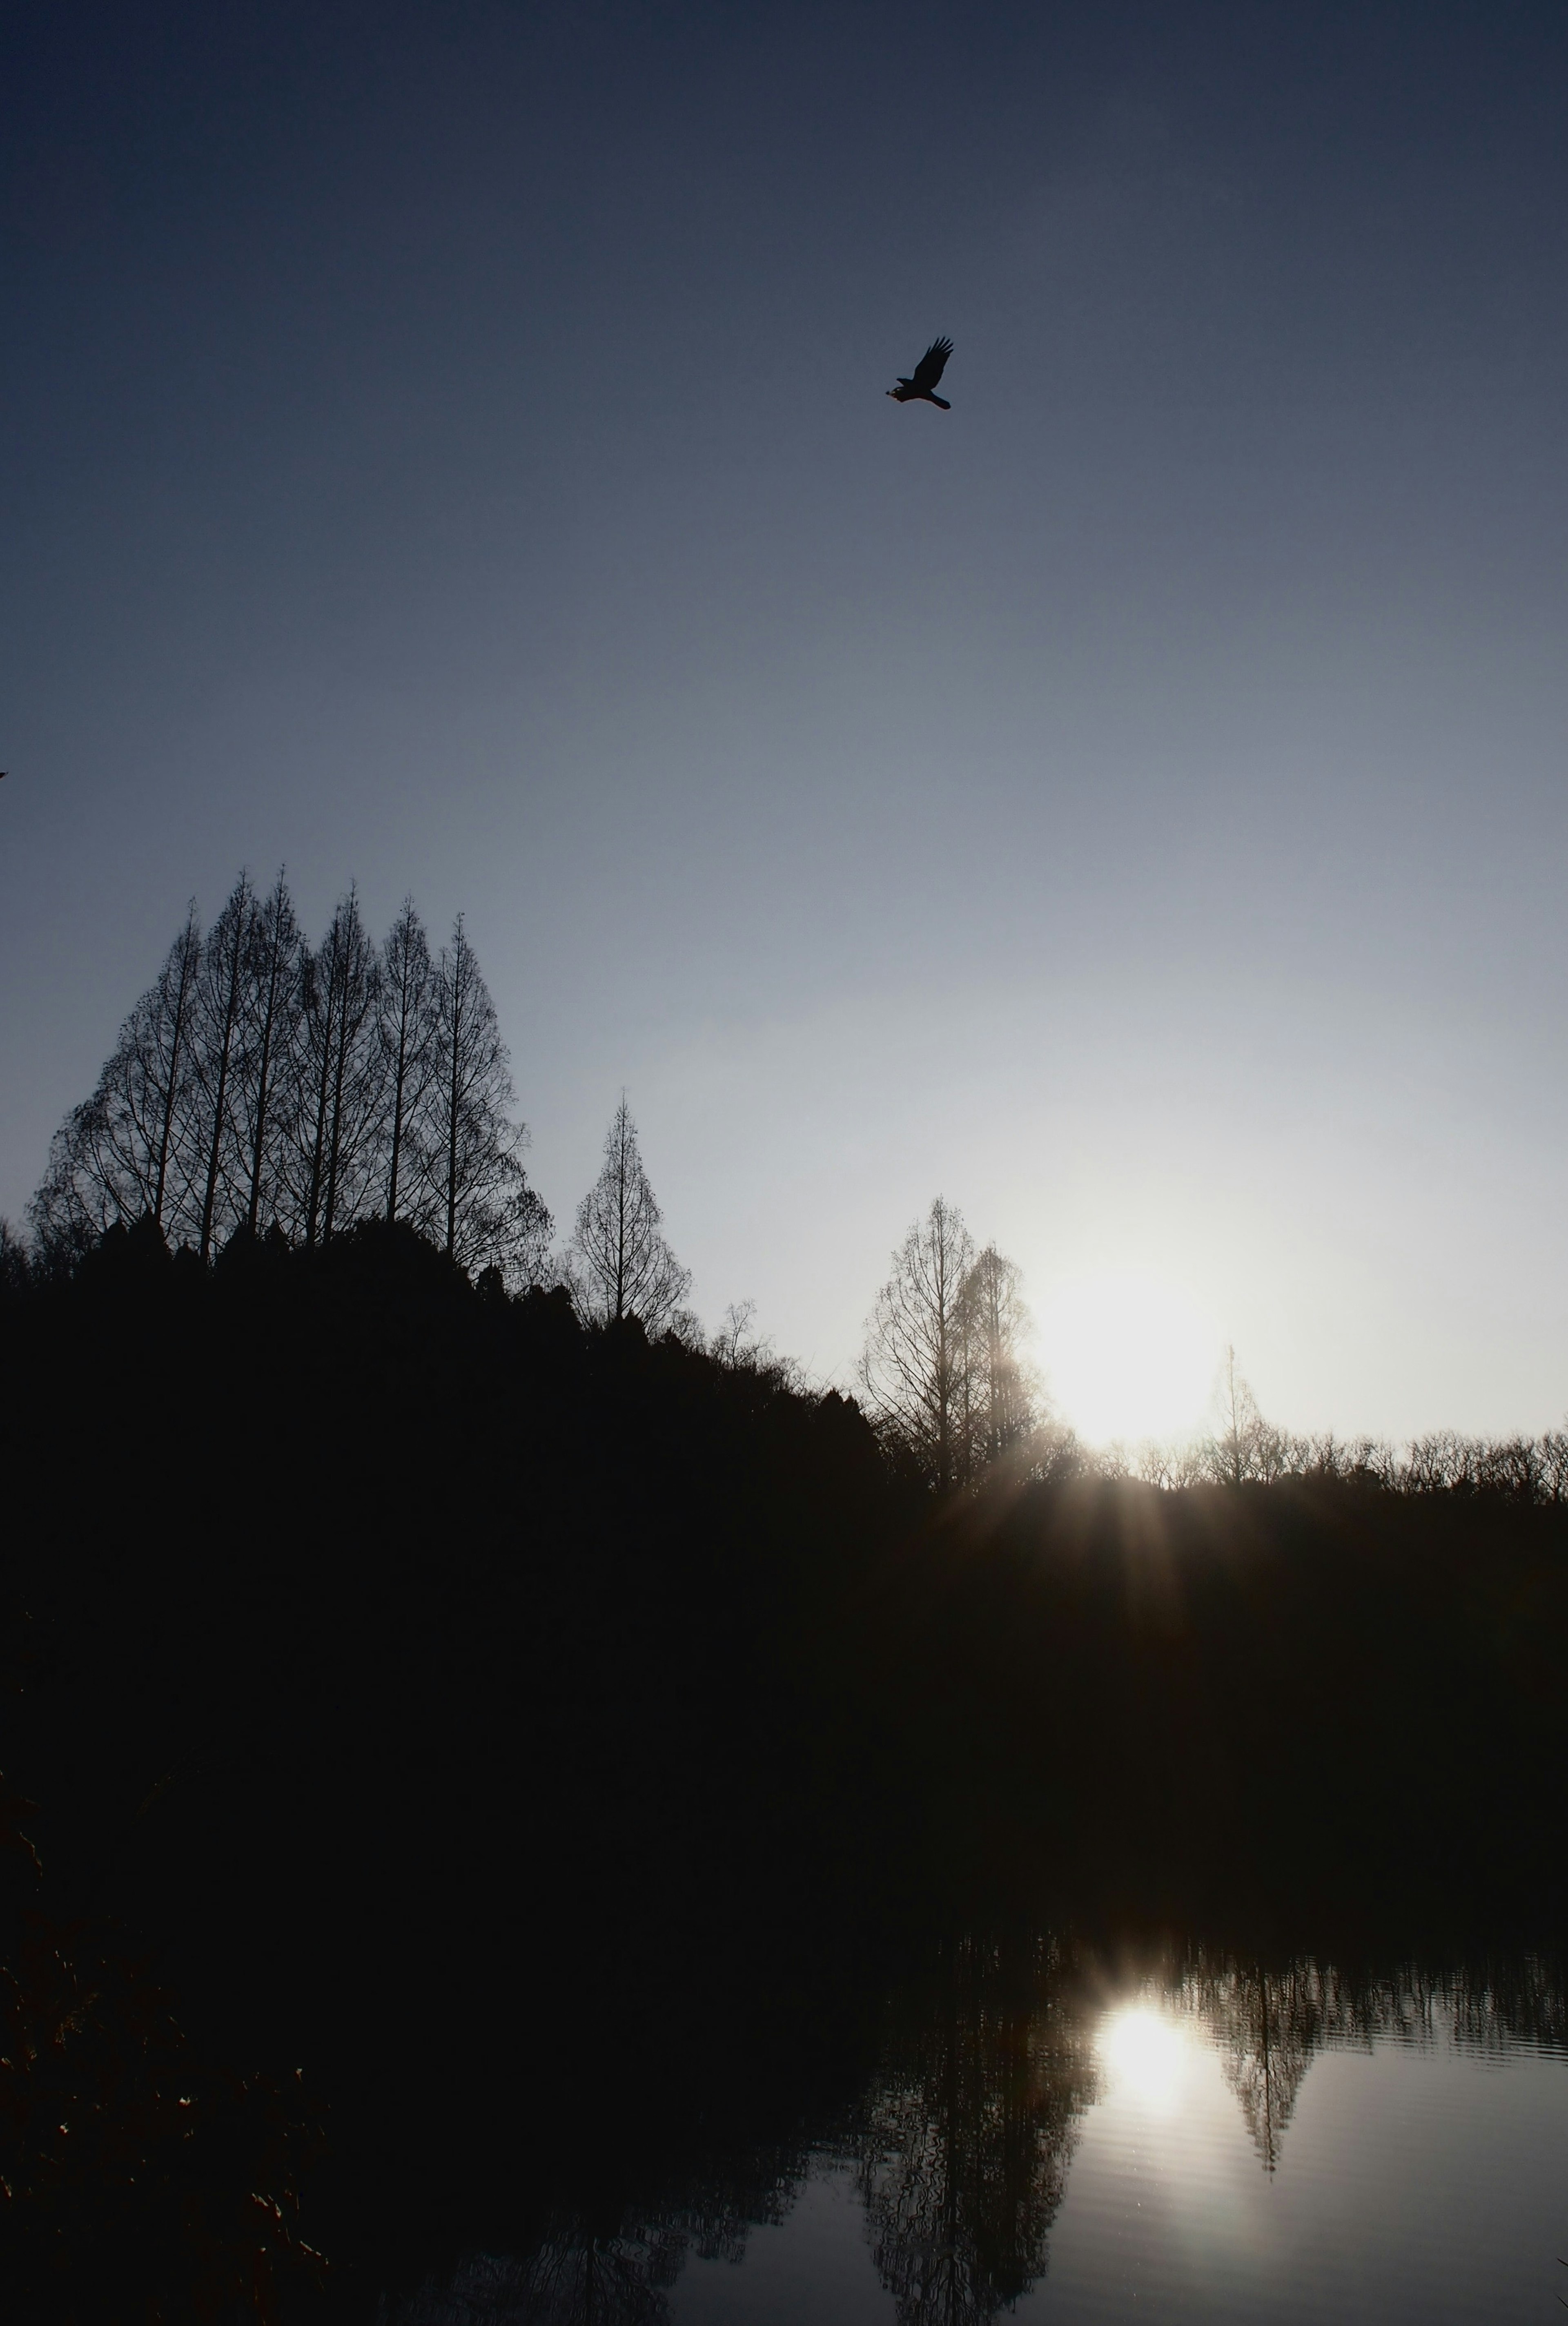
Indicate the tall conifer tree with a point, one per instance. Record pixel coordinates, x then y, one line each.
128 1152
621 1265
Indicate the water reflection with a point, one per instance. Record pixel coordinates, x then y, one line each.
574 2277
960 2142
1268 2026
588 2270
1143 2050
585 2272
968 2132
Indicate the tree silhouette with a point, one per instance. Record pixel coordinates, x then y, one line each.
404 1029
268 1081
125 1152
15 1260
1246 1447
621 1265
220 995
1000 1403
339 1118
483 1211
258 1082
914 1368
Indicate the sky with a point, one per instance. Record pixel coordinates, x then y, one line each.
445 448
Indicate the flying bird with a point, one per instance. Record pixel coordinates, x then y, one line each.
927 372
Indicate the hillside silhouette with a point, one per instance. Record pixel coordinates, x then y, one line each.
422 1696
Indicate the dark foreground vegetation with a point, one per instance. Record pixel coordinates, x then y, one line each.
419 1703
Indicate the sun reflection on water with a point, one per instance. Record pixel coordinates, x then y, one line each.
1144 2055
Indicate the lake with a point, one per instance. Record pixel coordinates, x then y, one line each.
1050 2128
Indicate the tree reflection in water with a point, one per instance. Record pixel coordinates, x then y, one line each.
962 2136
1267 2028
1270 2026
583 2273
969 2131
575 2278
960 2145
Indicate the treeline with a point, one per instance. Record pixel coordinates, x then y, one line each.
1246 1449
265 1087
946 1381
1443 1462
263 1084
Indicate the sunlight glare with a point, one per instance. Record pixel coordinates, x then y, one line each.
1145 2053
1127 1356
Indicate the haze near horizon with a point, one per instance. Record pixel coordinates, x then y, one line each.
449 452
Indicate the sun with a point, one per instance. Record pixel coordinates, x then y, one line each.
1127 1355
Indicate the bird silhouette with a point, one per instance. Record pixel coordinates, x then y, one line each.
927 372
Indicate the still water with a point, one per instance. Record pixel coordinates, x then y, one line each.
1047 2134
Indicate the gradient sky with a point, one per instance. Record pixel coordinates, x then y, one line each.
445 448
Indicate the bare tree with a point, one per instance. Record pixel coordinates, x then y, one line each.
267 1093
125 1153
1554 1465
1238 1417
65 1210
1245 1448
915 1367
1000 1388
341 1084
621 1265
258 1077
737 1345
406 1030
16 1261
485 1212
220 994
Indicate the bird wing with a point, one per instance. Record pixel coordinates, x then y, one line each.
931 365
